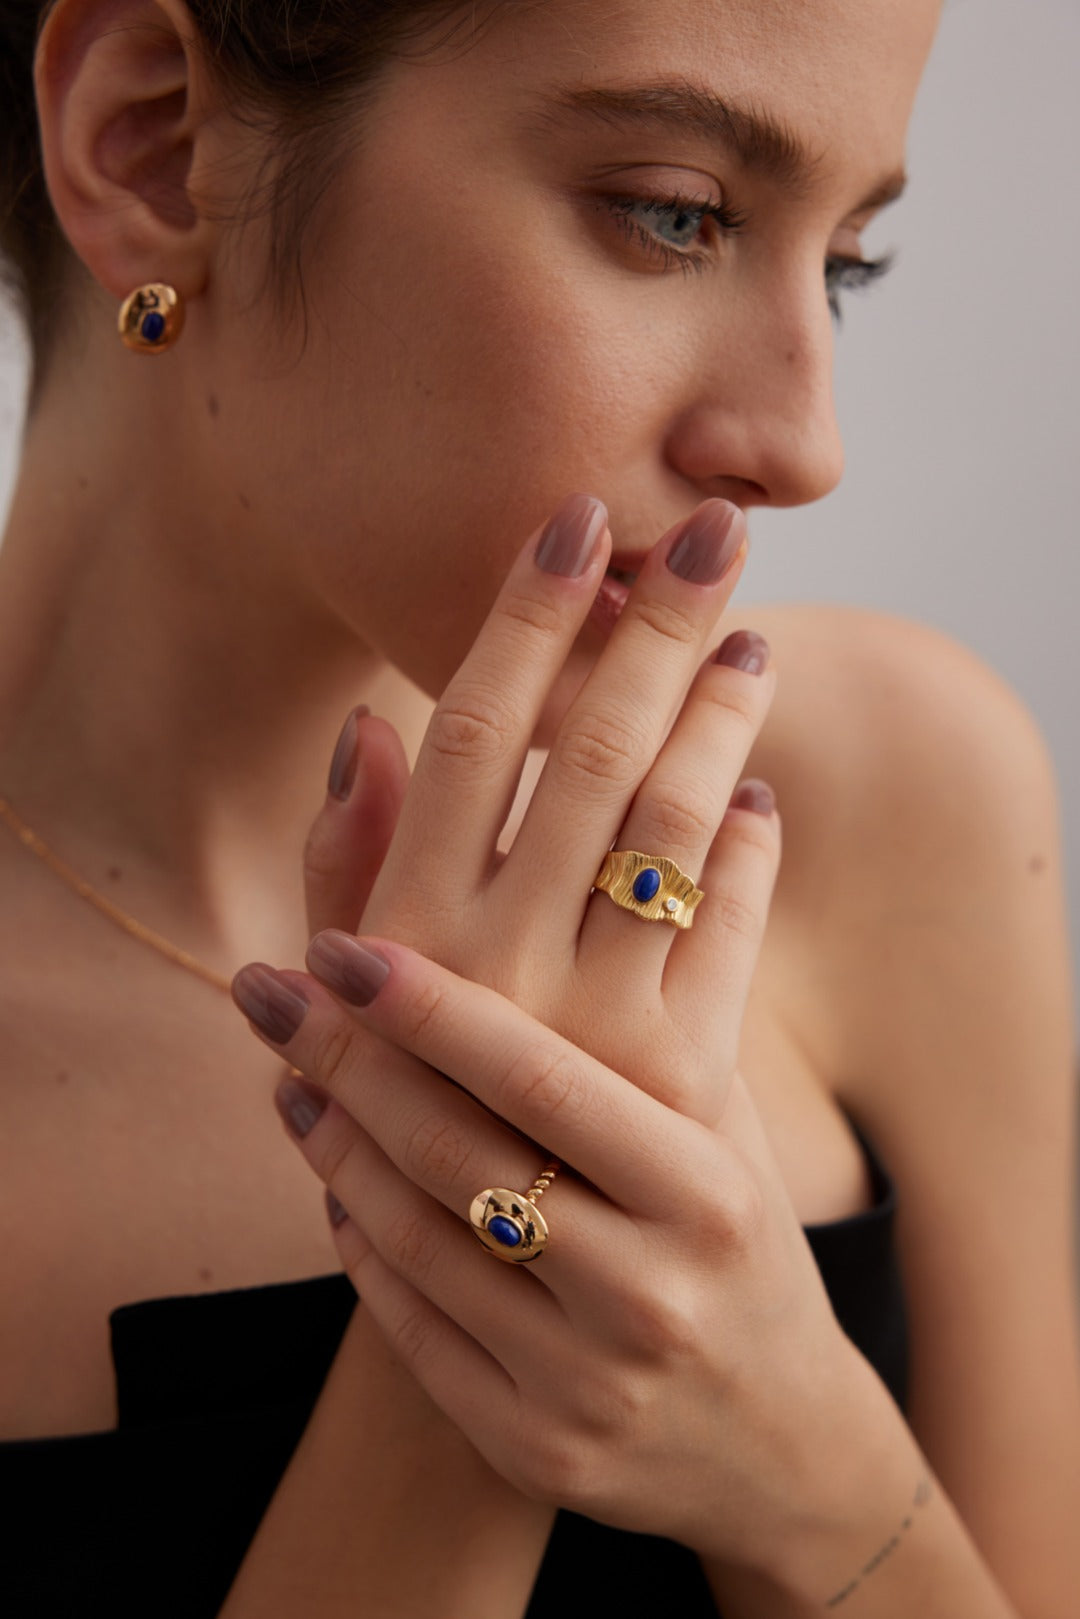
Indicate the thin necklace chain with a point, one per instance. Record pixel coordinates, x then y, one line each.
172 952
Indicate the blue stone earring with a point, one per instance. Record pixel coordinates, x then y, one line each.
152 318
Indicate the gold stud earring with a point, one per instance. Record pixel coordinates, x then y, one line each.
151 318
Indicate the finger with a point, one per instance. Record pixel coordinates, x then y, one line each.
679 806
467 1383
398 1130
420 1239
628 1145
738 880
616 725
472 755
349 838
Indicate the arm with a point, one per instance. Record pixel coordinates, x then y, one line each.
387 1509
960 1063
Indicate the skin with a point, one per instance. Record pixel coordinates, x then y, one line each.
261 499
473 262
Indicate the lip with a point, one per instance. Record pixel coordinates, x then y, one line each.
627 561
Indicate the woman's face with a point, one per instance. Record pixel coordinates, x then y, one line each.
504 305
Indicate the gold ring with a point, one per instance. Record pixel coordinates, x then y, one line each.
649 885
509 1224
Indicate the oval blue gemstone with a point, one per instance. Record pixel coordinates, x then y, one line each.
153 326
504 1231
646 884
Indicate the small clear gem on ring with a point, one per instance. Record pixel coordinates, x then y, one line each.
671 905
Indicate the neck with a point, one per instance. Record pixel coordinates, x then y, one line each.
158 717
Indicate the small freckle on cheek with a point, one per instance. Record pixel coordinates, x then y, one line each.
244 501
212 405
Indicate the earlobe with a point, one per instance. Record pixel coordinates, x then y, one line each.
122 97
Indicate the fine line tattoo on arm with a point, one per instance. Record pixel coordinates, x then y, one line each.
920 1499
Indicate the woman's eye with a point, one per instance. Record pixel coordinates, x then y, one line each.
668 227
851 275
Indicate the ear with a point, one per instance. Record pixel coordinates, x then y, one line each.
125 98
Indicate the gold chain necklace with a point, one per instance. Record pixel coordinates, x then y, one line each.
172 952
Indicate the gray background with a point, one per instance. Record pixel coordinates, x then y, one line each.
958 381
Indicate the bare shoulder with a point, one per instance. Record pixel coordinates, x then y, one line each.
920 804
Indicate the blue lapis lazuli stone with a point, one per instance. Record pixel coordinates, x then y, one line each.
504 1231
646 884
153 327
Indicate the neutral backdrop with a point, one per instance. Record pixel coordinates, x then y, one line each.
958 380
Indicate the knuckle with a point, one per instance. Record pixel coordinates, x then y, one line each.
733 702
743 918
663 1327
542 1082
322 861
331 1051
540 619
669 621
681 815
417 1010
414 1335
441 1154
409 1245
731 1221
600 749
470 728
556 1467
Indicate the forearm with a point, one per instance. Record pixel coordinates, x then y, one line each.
385 1508
878 1538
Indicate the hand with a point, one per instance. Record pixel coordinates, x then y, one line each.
670 1362
649 753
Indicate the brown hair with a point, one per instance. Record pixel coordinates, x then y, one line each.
293 66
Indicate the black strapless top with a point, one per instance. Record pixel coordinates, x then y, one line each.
213 1393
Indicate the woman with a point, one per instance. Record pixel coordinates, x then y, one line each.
432 264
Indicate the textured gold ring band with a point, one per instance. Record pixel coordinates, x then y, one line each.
650 885
509 1224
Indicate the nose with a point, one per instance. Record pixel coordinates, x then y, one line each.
760 428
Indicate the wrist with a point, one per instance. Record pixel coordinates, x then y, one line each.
858 1490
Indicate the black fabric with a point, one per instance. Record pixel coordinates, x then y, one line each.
214 1391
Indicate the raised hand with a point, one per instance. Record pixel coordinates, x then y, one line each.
647 756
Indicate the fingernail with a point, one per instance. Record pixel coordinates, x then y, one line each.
744 649
276 1009
334 1209
755 795
300 1105
708 543
569 541
343 964
343 764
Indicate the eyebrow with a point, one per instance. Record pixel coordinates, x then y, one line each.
761 143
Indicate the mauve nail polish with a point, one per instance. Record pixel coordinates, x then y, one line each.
300 1105
708 544
746 650
276 1009
343 764
341 963
569 540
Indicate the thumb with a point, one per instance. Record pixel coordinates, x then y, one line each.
351 833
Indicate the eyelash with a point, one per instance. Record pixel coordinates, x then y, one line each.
841 274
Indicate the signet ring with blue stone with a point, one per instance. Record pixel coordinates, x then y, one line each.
650 885
509 1224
